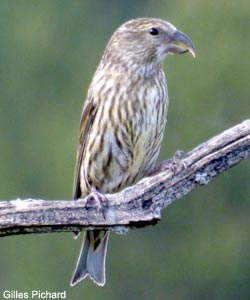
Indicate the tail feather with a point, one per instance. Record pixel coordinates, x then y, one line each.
91 261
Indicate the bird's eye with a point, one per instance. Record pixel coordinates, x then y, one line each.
153 31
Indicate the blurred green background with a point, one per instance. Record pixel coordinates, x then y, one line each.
48 54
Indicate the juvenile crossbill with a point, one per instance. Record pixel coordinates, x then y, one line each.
123 122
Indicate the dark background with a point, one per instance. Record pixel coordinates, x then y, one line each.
49 51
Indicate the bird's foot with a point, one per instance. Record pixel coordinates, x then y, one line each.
174 164
178 164
97 200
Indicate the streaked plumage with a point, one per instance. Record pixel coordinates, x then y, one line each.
123 121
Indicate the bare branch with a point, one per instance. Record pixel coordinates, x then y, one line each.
136 206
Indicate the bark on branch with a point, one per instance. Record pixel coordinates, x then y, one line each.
136 206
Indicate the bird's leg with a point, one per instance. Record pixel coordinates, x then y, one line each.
174 164
179 156
97 199
179 164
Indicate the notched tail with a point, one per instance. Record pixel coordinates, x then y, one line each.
91 261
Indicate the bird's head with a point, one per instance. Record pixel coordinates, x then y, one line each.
146 41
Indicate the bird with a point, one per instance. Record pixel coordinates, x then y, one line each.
123 122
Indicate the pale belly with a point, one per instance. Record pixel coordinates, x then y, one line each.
127 155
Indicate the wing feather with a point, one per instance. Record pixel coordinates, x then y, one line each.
87 118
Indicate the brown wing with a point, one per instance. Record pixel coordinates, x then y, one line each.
88 115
